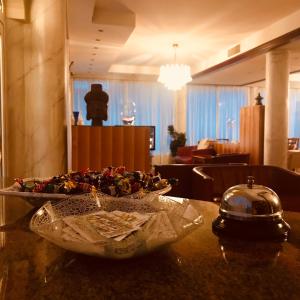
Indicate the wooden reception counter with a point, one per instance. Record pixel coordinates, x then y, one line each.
96 147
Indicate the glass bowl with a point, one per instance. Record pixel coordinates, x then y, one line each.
116 228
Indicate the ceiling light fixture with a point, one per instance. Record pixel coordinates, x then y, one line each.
174 76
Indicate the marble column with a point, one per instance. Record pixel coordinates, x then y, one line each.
276 112
35 100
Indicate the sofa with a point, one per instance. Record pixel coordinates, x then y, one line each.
209 182
213 180
222 158
185 154
209 155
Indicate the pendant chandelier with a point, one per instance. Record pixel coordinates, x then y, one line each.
174 76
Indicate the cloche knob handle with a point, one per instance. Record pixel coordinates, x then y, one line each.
250 181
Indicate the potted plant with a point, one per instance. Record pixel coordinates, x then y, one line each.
178 139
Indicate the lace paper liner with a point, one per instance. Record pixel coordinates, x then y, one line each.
170 221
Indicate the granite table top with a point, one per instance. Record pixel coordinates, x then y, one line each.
200 266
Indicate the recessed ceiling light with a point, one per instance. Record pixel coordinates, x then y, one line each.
100 30
98 40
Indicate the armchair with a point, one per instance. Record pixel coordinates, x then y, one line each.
192 155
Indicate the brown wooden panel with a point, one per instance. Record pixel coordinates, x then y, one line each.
83 158
74 148
218 147
129 154
242 129
98 147
106 146
141 148
252 132
247 132
95 148
251 141
261 134
138 149
118 146
147 150
256 142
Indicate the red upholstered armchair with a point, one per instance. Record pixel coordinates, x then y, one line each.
185 154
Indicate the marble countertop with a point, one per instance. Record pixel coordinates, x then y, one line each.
200 266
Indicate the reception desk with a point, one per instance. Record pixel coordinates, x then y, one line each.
200 266
96 147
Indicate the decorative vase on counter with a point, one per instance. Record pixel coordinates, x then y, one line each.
128 113
259 99
76 117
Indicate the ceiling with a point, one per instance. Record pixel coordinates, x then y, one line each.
251 71
132 38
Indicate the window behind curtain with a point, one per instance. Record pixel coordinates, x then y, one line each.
201 113
294 113
154 105
230 101
214 112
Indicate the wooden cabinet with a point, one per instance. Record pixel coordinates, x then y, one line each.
252 119
96 147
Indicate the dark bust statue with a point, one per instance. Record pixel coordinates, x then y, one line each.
96 105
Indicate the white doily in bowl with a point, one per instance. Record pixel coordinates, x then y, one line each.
115 227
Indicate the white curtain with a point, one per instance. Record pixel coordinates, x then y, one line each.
201 113
230 101
214 112
294 113
154 105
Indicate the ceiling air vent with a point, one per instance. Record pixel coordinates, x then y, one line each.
234 50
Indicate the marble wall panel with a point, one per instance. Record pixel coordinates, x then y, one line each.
39 7
15 125
14 99
48 30
45 126
14 57
36 71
